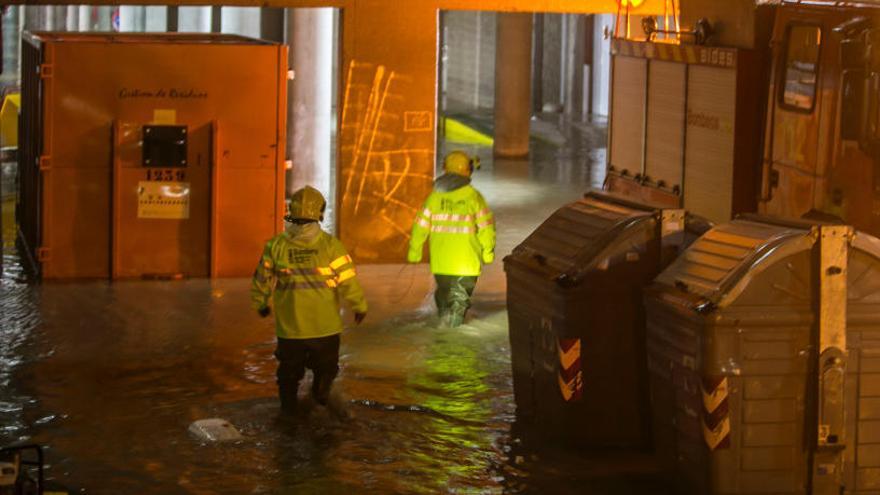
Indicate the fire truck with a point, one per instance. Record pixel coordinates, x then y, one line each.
771 107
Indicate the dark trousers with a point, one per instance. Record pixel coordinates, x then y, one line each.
453 297
320 355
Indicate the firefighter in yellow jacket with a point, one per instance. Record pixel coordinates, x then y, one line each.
461 229
305 272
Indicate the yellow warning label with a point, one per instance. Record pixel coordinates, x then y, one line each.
167 200
162 116
418 121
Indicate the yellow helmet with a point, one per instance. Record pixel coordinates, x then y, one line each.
306 204
458 162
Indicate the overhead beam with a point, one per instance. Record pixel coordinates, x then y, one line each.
652 7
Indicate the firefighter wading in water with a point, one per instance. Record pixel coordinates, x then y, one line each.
461 228
306 272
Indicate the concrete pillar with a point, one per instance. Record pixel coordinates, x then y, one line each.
467 60
11 42
216 19
538 64
513 76
85 17
573 75
241 20
72 18
601 68
486 26
58 17
310 36
94 18
589 39
443 77
194 19
478 58
272 24
104 15
34 18
132 18
172 18
552 64
47 18
156 19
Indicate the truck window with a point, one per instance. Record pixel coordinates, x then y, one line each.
801 67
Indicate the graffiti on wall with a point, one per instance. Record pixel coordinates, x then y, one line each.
387 162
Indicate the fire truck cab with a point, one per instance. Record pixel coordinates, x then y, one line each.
822 136
785 123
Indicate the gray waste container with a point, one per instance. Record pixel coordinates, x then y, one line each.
576 319
764 360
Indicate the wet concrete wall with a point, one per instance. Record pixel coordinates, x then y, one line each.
387 151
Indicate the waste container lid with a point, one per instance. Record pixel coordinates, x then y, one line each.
720 263
571 239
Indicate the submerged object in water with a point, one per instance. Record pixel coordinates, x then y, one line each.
214 430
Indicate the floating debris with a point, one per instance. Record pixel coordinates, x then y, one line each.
214 430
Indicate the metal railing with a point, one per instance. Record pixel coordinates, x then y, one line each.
35 463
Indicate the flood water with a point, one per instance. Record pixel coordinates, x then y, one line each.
109 376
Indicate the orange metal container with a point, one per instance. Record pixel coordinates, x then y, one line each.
101 199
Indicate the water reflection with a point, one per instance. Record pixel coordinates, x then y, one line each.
109 376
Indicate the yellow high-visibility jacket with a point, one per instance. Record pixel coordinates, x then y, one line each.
461 229
306 281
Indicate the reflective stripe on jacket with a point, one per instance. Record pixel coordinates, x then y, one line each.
461 228
306 282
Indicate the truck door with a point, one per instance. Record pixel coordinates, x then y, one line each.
854 181
792 157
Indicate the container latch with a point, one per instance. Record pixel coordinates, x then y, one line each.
672 238
46 71
833 246
44 254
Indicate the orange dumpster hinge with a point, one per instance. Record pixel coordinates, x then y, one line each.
46 71
44 254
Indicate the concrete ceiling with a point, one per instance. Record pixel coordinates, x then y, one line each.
643 7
